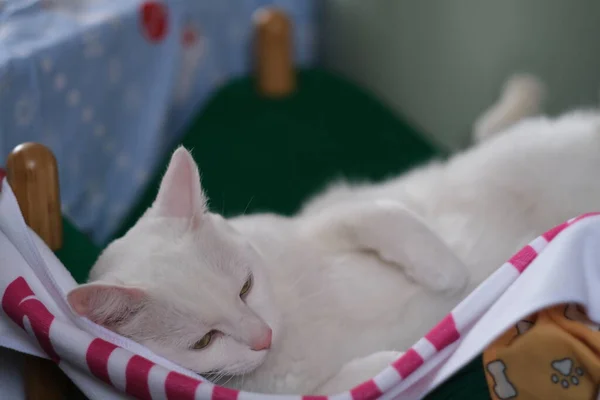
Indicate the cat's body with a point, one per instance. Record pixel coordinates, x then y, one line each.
363 271
492 199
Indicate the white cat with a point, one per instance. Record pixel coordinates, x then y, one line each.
319 302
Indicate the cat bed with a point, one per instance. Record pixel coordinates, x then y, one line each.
559 267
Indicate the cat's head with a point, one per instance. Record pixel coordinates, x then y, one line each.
184 283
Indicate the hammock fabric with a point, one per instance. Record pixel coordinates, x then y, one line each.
561 266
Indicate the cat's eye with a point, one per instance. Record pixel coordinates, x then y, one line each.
205 341
247 286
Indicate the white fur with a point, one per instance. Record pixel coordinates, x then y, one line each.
361 273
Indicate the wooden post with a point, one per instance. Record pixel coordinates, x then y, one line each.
32 173
274 53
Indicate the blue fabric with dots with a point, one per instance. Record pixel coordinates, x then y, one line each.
108 90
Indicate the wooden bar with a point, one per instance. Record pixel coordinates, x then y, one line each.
274 50
32 173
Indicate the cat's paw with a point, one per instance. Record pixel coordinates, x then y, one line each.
357 371
400 237
442 273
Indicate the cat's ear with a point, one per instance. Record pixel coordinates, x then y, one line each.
106 304
180 194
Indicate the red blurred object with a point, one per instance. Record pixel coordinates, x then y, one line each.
189 36
155 21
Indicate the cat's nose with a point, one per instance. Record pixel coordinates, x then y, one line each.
264 343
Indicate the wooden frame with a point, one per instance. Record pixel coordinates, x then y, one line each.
32 173
273 52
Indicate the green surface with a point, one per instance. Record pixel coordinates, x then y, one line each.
467 384
78 253
257 154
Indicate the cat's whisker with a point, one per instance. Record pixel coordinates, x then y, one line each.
217 377
298 280
311 296
228 380
220 378
248 205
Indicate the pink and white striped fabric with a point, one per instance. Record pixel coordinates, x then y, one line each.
563 265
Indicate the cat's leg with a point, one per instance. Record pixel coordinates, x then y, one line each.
521 97
397 236
357 371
